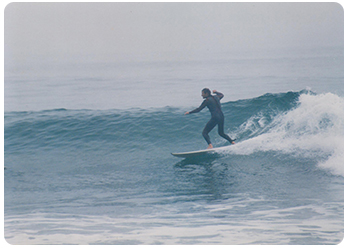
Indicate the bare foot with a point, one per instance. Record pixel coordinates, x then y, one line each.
210 146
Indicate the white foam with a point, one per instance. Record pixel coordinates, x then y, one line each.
314 128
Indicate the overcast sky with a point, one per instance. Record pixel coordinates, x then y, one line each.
165 30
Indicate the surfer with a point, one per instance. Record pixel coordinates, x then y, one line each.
217 117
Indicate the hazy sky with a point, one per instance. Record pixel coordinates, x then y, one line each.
164 30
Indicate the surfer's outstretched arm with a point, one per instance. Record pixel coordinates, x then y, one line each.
202 106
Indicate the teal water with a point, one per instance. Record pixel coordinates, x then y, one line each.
87 151
107 176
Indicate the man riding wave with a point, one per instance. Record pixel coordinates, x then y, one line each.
217 117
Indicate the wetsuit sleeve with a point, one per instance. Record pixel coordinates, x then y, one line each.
202 106
220 95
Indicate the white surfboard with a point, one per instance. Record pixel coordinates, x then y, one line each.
200 152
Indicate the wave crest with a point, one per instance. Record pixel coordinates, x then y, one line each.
314 128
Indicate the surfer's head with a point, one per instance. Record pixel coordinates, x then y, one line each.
206 92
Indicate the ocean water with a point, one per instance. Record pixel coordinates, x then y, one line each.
87 152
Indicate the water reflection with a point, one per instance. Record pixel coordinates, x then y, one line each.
208 177
198 161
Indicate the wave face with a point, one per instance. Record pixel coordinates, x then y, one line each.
298 123
115 165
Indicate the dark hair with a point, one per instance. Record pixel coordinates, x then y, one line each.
206 91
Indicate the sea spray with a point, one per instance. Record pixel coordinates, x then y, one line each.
313 128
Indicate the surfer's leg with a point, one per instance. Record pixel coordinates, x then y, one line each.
210 125
221 131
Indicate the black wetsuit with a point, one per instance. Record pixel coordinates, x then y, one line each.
217 117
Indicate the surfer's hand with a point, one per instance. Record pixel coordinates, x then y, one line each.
187 113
